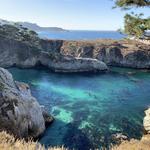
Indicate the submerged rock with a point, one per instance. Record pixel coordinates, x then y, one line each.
20 113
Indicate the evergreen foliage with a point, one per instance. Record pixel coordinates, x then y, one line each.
134 24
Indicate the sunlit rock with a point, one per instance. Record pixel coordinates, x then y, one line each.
20 113
146 121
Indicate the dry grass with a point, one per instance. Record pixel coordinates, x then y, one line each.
143 144
8 142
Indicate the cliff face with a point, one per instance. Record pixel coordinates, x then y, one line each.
27 50
13 52
68 56
20 113
23 48
116 53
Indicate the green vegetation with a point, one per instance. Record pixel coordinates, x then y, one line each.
125 4
134 24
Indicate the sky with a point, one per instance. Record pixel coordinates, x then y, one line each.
68 14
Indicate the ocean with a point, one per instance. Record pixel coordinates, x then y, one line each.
82 35
89 108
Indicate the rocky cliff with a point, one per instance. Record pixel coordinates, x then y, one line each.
22 48
125 53
20 113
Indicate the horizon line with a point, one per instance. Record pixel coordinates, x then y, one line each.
107 30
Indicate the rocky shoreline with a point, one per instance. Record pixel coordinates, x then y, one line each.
23 48
22 116
122 53
20 54
61 56
20 113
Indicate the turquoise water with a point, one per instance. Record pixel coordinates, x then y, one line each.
82 35
89 108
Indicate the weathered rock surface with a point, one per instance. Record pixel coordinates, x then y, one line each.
20 113
125 53
48 118
23 48
118 138
73 64
16 53
146 121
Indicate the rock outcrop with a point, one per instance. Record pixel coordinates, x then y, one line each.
146 121
72 64
125 53
20 54
20 113
23 48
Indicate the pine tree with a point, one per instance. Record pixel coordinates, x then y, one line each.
132 3
134 24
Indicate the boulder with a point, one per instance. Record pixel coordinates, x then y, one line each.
48 118
20 113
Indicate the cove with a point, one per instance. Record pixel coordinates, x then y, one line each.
90 108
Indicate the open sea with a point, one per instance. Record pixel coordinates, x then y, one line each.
82 35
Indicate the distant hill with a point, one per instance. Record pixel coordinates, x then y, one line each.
37 28
32 26
2 22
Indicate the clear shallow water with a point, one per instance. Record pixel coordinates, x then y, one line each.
82 35
89 108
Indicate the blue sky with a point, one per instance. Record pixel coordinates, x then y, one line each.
68 14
